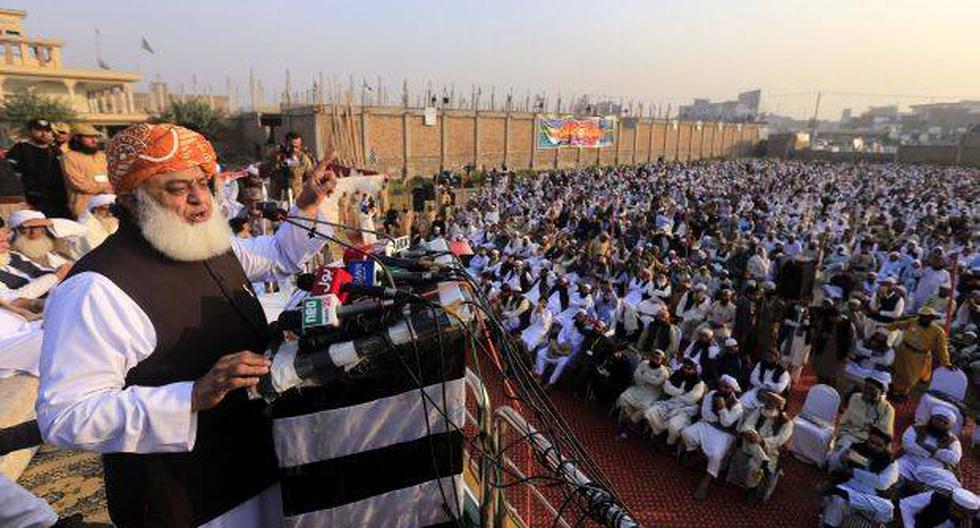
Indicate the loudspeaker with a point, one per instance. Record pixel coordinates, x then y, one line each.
418 199
796 278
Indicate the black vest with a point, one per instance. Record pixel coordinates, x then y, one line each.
11 280
200 311
28 267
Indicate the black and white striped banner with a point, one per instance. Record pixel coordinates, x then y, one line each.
375 452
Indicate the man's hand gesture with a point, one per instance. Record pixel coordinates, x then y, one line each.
231 372
319 185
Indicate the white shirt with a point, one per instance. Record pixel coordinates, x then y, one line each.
94 334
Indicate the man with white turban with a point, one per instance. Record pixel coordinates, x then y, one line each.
714 434
930 445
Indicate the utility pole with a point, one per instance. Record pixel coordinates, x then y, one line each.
816 112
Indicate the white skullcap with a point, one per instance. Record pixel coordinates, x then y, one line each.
19 218
881 378
730 342
945 412
100 200
769 285
731 382
966 499
700 287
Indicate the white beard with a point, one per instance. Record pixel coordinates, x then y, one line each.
4 259
173 236
36 250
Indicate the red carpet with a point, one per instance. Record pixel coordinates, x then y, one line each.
659 490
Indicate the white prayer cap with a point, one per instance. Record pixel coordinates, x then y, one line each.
769 285
700 287
943 411
880 378
731 342
100 200
731 382
65 228
28 218
706 332
966 499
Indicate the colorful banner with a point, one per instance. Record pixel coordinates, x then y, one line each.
587 132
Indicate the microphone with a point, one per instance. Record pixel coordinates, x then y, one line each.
322 358
383 292
419 277
292 320
419 264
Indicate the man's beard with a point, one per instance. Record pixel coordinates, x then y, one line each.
36 250
4 259
83 149
173 236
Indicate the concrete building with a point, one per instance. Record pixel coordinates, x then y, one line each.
99 97
743 109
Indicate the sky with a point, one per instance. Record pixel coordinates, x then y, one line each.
656 51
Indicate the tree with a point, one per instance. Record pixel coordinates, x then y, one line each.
196 114
19 108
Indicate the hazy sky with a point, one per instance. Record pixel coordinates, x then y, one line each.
655 51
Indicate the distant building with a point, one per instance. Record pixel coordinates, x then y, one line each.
159 98
99 97
960 115
745 108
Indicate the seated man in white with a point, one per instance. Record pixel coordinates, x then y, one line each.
768 375
536 333
866 410
714 434
930 445
21 280
513 305
940 509
98 222
869 356
702 351
560 349
34 240
868 473
648 383
684 390
764 431
693 308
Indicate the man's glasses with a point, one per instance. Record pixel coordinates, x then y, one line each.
28 229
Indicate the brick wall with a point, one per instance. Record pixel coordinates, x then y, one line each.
458 139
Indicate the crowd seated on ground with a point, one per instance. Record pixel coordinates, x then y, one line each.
718 284
687 298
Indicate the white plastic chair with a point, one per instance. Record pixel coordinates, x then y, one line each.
951 384
814 426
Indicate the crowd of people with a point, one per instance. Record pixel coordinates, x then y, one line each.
689 297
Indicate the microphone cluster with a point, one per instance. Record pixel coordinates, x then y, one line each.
348 322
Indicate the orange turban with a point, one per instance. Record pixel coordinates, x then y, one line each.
145 150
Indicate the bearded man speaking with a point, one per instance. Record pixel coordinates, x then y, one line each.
150 341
